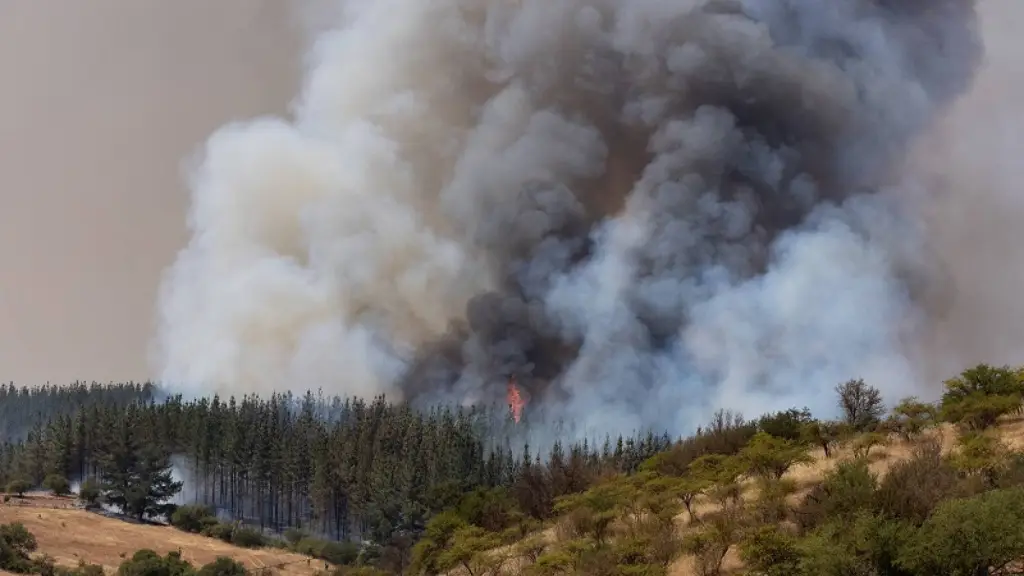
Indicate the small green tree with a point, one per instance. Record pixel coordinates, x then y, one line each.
19 486
968 537
223 566
57 484
824 434
592 512
194 518
146 562
981 455
16 546
437 537
789 424
980 396
768 456
771 551
89 492
911 417
473 549
861 404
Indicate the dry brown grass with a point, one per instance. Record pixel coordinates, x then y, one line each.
70 535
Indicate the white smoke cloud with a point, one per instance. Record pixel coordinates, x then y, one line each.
590 193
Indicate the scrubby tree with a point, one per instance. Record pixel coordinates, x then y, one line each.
19 486
979 396
789 424
223 566
146 562
771 551
970 537
90 491
16 546
57 484
911 417
823 434
768 456
861 404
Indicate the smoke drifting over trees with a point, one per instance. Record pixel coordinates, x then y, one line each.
639 209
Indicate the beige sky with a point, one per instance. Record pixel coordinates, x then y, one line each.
100 103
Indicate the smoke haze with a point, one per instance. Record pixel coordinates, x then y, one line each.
101 101
641 210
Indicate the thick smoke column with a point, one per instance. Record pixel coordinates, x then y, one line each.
639 209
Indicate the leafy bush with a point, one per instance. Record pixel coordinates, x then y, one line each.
146 562
981 395
247 537
338 553
19 486
219 531
90 491
969 536
193 518
912 488
223 566
16 545
844 492
84 569
294 535
769 551
788 425
57 484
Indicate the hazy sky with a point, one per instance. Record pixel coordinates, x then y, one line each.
100 103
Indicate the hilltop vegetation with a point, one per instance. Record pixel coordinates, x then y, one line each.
427 494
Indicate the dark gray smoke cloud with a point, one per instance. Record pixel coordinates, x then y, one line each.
642 209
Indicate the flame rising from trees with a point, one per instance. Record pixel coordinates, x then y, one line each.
515 400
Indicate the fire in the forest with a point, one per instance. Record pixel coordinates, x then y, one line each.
515 400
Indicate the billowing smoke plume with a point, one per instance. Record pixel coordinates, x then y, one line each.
641 209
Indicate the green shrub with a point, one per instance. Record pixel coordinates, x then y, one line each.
247 537
769 551
294 535
223 566
16 546
146 562
844 492
970 536
57 484
90 491
193 518
19 486
339 553
219 531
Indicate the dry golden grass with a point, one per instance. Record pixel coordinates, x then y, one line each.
70 535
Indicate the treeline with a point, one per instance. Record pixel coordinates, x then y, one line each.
22 408
343 469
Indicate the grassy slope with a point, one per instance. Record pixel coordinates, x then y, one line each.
70 535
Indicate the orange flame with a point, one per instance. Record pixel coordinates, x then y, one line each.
515 401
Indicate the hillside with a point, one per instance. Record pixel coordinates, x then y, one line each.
70 535
940 481
805 476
